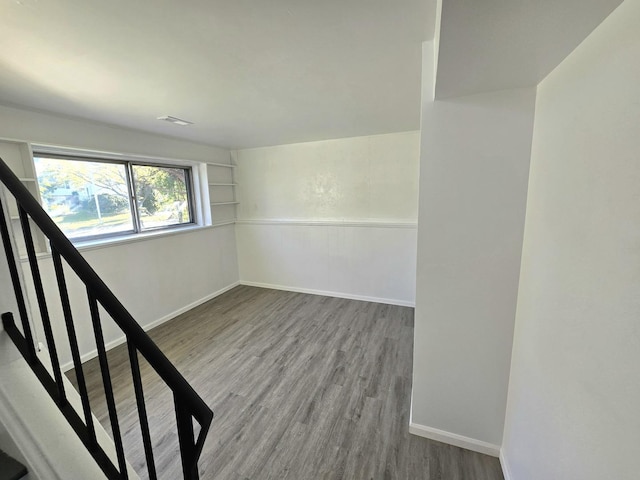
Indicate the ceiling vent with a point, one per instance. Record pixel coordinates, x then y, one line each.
177 121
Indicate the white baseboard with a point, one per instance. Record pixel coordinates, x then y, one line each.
388 301
454 439
506 471
119 341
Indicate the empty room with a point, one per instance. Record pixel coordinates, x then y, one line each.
319 240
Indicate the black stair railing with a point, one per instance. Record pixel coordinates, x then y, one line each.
188 405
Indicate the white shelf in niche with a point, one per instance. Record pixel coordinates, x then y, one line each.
19 157
17 218
222 192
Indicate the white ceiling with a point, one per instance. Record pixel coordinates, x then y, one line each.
247 72
492 45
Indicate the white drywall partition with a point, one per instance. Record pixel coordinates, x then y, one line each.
473 180
574 394
335 217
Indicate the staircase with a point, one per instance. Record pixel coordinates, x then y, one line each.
10 468
187 404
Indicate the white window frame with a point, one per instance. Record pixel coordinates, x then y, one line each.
200 216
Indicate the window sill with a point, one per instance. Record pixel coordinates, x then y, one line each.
133 238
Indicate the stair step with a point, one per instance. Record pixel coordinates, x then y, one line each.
11 469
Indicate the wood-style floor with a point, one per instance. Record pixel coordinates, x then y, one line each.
303 387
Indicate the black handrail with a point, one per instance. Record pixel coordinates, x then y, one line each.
188 402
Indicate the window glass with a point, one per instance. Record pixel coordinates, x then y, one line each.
97 198
85 199
162 196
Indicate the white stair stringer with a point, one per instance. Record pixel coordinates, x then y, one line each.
50 447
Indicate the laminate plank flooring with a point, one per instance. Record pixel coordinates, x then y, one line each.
303 387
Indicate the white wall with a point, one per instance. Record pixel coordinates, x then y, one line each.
574 394
57 130
7 299
154 278
473 181
335 217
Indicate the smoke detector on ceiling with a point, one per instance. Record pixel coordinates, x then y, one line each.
177 121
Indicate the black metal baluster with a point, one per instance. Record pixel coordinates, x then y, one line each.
73 343
142 410
17 287
42 304
189 405
184 423
106 381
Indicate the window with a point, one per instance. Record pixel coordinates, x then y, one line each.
94 198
